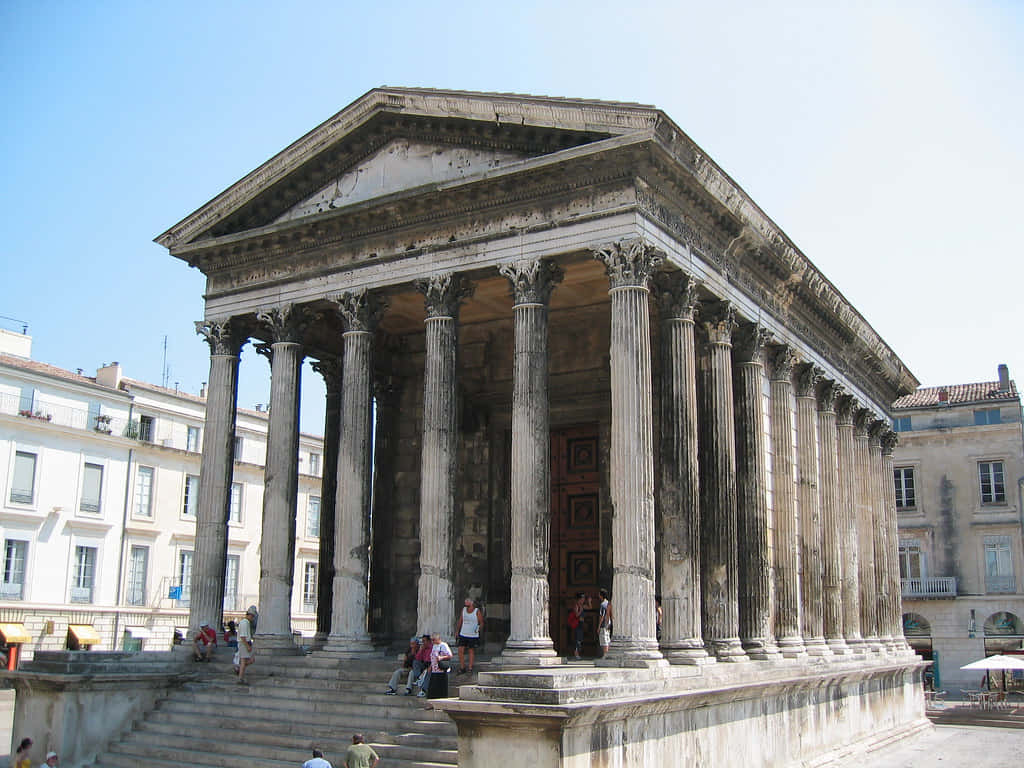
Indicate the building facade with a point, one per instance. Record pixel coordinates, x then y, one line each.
958 473
100 490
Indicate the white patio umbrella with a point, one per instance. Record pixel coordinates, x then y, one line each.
997 662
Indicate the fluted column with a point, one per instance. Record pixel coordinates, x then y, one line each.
831 538
387 412
211 549
678 509
752 523
529 642
360 313
629 265
285 327
330 369
889 440
809 500
847 523
717 454
865 531
883 596
784 502
435 611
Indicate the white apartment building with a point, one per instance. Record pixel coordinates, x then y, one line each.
959 477
99 479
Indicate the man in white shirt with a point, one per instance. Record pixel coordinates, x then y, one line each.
317 761
245 651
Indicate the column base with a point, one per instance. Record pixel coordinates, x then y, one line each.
857 645
346 647
792 648
689 653
319 641
816 646
632 653
528 653
760 649
275 645
728 650
838 646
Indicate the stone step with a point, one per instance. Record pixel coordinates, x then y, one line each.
115 760
364 693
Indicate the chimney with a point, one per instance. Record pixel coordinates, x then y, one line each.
202 390
1004 378
943 395
109 375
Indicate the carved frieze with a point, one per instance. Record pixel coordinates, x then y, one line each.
285 324
444 293
629 263
676 294
532 280
360 310
222 337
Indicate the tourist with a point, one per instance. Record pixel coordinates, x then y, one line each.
204 643
51 760
420 667
20 758
575 621
360 755
468 631
406 669
317 761
246 655
658 615
231 635
604 622
440 663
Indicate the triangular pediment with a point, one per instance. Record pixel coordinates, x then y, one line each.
402 164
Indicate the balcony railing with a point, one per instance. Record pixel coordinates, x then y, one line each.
67 416
1000 584
929 586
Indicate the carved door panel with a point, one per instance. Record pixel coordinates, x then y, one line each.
575 531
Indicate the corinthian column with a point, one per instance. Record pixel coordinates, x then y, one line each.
847 523
285 326
629 265
883 595
529 642
215 474
865 531
808 493
360 312
899 644
787 527
717 454
330 369
831 566
435 610
755 567
678 511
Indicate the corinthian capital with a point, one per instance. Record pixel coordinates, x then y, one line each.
807 377
827 392
889 440
719 321
862 422
748 343
532 280
360 310
285 324
845 407
330 369
781 360
444 293
222 337
629 263
676 294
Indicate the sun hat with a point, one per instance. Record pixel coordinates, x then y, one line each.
50 754
204 624
251 609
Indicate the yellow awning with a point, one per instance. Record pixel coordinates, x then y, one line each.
84 634
15 633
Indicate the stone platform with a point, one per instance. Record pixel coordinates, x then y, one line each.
795 712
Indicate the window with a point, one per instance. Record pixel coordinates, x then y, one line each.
23 479
92 488
83 577
192 441
235 510
13 587
904 479
185 576
138 565
998 565
911 559
191 501
144 491
238 449
146 429
902 424
231 583
313 517
314 464
309 583
992 489
986 416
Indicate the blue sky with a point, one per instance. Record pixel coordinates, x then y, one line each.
884 139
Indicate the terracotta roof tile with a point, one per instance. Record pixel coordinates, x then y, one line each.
957 394
45 369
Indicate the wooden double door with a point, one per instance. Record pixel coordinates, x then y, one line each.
575 543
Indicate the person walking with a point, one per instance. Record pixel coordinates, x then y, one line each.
604 622
317 761
245 640
21 759
360 754
468 632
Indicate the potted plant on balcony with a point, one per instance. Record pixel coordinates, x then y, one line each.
103 424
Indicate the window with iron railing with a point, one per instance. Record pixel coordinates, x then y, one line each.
998 565
13 587
83 576
309 587
138 567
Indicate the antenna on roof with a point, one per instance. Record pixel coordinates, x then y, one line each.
164 373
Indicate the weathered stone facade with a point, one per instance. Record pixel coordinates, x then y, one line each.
543 434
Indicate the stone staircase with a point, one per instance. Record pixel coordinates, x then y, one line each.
292 705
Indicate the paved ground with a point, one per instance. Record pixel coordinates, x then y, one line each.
952 746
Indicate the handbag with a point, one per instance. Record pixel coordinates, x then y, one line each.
444 664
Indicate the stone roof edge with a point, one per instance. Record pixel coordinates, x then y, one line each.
1012 396
545 111
55 372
